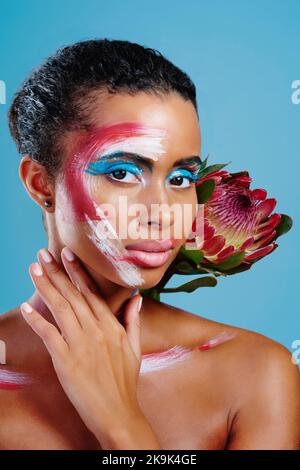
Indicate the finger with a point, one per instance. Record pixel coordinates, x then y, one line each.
132 324
108 323
49 334
88 288
67 289
56 303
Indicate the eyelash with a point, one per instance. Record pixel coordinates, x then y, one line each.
129 168
190 174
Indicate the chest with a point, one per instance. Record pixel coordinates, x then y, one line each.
185 411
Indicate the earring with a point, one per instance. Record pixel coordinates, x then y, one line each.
47 203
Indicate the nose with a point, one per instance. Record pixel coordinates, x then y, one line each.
159 213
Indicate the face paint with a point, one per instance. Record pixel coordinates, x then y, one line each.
106 140
13 380
218 339
164 360
88 161
189 176
103 235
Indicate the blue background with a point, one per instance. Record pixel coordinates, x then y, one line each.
243 57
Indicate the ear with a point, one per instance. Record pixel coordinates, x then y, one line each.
37 181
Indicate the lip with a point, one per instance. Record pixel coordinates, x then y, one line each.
150 253
152 246
148 259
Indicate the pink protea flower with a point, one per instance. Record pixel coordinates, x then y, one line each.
235 229
236 219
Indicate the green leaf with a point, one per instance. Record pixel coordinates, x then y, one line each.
185 267
195 255
152 293
193 285
239 269
203 164
284 226
211 168
205 190
195 271
232 262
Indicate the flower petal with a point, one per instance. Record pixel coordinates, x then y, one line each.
263 241
247 243
242 181
272 222
259 194
265 208
209 230
261 252
217 193
214 245
263 233
225 253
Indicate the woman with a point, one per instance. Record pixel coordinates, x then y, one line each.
108 129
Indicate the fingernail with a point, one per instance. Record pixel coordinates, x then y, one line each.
134 292
26 307
37 270
69 254
46 255
140 304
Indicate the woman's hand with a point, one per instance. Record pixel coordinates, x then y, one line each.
96 360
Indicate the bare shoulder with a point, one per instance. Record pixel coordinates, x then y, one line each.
20 341
180 326
265 412
249 353
259 380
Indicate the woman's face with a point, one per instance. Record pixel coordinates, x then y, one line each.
122 183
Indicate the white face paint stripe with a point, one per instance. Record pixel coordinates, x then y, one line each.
162 360
104 236
148 144
16 378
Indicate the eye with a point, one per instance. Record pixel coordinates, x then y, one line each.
182 178
123 175
118 171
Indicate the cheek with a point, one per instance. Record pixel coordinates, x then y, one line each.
82 218
79 196
76 197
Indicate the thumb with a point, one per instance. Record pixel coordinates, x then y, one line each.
132 324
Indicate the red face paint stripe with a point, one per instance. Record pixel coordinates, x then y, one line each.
10 386
85 153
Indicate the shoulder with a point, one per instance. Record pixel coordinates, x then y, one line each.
17 338
265 394
266 412
256 375
247 349
253 359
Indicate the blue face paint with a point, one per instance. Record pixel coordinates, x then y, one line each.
109 166
191 176
104 167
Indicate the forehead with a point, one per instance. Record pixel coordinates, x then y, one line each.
168 118
168 112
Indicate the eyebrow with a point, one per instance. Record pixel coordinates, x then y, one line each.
192 160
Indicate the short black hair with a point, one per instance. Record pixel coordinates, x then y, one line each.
46 105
